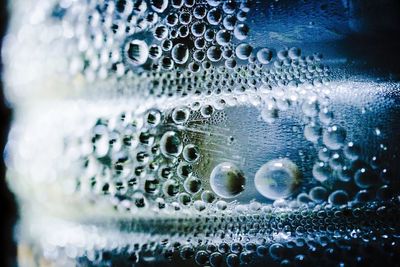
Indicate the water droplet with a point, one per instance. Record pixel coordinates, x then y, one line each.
206 111
365 177
214 54
264 55
321 172
138 52
198 28
180 115
214 16
223 37
201 257
318 194
207 196
227 180
339 197
334 137
170 144
243 51
180 53
241 31
153 117
159 5
294 53
191 153
277 178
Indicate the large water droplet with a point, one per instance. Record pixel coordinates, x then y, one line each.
277 178
227 180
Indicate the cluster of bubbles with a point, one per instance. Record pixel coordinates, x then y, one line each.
256 235
177 159
174 49
123 38
147 161
157 160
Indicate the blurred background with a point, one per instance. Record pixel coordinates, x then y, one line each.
8 211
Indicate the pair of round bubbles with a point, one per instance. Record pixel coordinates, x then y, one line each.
276 179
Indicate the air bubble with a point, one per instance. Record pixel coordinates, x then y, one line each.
180 115
339 197
243 51
199 12
334 137
184 170
207 196
170 144
171 188
199 43
216 259
229 22
192 185
198 28
177 3
241 31
276 251
185 18
166 45
352 151
277 178
180 53
172 20
223 37
264 55
161 32
269 114
365 178
318 194
229 7
321 172
159 5
201 257
138 52
206 111
227 180
282 54
214 54
294 53
209 35
155 52
191 153
214 16
153 117
312 133
167 63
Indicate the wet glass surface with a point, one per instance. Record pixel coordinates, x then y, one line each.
204 133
